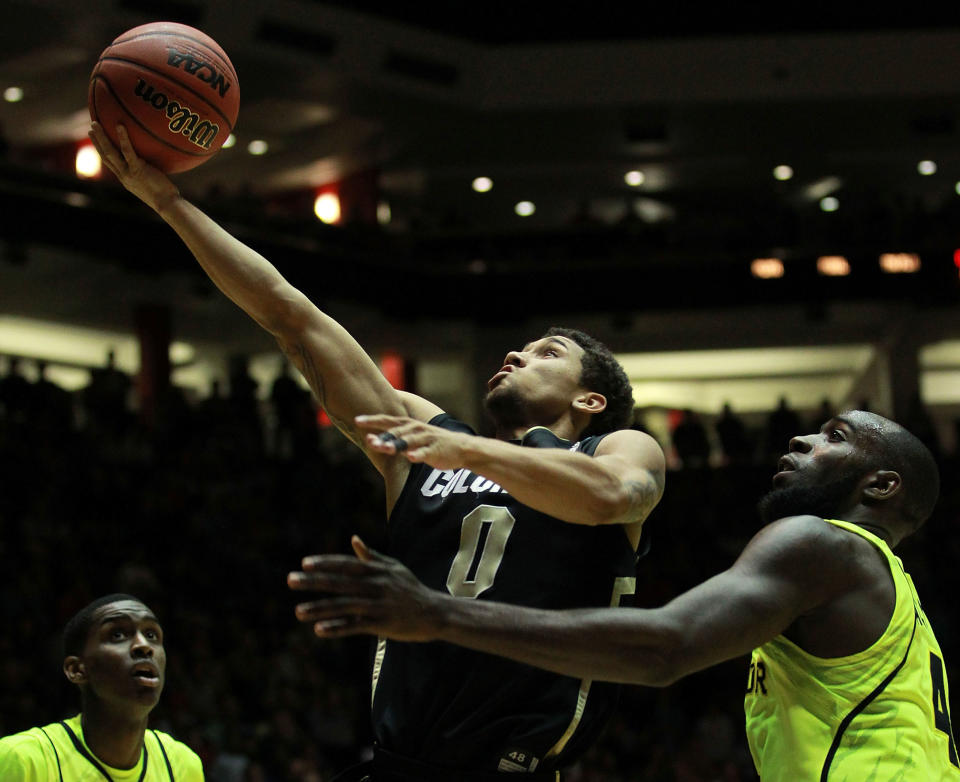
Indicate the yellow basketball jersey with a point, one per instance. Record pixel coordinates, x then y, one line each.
58 753
881 714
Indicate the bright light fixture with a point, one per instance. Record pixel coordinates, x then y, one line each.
634 178
525 208
257 147
900 263
384 213
87 161
327 208
13 94
767 268
829 204
482 184
783 173
833 266
926 167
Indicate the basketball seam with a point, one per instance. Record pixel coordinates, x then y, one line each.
141 36
152 69
143 127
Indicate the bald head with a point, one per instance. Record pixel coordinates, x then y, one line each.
888 446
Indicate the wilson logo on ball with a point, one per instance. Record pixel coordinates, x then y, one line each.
202 69
183 119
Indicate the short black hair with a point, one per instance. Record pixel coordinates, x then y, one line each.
899 450
601 373
78 627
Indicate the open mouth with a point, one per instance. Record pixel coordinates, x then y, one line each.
784 466
146 675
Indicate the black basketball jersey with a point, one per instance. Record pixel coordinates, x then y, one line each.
461 533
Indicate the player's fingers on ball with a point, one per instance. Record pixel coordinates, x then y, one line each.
126 148
101 146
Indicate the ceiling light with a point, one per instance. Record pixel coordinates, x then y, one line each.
231 140
927 167
634 178
13 94
384 213
767 268
87 161
783 173
829 204
327 208
833 266
525 208
482 184
257 147
182 352
900 263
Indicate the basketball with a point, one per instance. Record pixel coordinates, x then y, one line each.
172 87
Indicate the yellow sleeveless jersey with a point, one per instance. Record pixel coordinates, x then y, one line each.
876 716
58 753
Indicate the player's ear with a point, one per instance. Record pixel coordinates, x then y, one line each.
74 669
883 485
590 402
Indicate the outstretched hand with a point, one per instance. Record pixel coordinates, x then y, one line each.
371 594
415 440
146 182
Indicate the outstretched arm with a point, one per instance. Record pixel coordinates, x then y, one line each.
620 484
763 593
343 377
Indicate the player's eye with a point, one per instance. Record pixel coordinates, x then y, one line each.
117 635
836 434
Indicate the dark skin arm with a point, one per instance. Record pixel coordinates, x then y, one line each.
771 587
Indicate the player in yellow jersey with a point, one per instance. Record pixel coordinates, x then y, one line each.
847 682
113 652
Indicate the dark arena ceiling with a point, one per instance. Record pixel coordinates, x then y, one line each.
411 101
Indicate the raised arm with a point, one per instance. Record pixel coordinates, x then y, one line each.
344 379
620 484
770 585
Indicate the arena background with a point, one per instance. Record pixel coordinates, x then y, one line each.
651 143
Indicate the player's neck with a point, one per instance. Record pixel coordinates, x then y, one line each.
563 429
867 519
116 740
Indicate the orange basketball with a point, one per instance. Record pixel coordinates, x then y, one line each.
172 87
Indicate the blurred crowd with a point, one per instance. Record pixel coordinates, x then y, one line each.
204 508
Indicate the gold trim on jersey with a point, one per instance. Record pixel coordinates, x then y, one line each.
623 585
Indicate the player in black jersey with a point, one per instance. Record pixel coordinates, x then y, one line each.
548 513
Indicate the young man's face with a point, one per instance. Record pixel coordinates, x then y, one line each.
536 384
123 660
